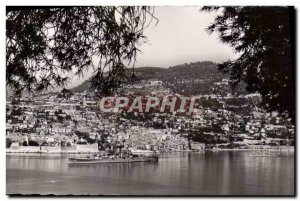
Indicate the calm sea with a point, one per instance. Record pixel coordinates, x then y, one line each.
218 173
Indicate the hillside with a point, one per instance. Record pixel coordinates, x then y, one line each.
187 79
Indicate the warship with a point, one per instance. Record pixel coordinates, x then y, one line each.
122 158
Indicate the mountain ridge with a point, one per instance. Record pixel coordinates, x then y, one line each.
193 70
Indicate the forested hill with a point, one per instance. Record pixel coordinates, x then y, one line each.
183 71
189 79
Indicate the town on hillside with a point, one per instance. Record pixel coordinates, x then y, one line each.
56 123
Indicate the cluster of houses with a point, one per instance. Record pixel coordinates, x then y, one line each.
52 120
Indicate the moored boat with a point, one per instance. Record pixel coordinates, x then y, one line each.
263 153
105 158
112 159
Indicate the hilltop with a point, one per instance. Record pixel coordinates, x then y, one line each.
189 72
187 79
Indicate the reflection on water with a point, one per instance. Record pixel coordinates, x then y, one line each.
221 173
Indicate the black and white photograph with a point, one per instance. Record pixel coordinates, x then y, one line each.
143 100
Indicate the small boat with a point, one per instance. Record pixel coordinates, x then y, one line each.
263 153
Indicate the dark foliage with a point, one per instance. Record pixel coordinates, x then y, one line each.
263 37
64 94
45 45
199 136
33 143
8 142
86 137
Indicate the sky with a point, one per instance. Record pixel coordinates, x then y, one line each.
179 37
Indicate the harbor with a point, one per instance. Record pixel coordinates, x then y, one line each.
178 173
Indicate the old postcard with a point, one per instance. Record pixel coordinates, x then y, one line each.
150 100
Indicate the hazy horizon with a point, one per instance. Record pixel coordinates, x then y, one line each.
179 37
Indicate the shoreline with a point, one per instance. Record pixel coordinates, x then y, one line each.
216 150
44 152
16 152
